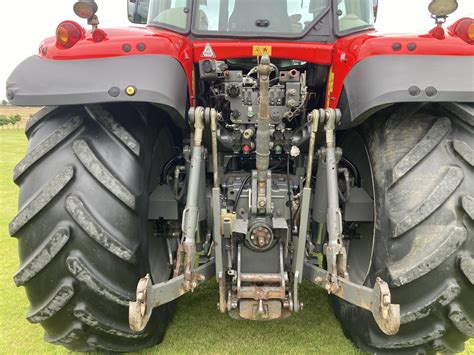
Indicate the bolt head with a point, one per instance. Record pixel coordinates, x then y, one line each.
295 151
291 103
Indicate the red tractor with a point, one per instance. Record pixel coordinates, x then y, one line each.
258 142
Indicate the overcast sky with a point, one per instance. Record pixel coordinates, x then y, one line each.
23 24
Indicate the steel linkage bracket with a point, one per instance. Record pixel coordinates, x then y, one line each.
150 296
376 300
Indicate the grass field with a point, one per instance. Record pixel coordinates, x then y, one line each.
315 330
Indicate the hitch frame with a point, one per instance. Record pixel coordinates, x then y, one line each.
335 280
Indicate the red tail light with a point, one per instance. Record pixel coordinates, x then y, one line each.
437 32
68 34
464 29
99 35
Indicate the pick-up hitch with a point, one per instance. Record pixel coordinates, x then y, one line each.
376 300
335 280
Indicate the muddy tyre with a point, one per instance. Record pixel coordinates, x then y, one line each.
82 226
422 160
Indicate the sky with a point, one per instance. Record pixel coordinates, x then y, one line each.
23 24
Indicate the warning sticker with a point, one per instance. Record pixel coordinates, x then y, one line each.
208 52
258 51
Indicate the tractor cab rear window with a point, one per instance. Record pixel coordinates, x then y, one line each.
174 14
237 17
354 15
272 17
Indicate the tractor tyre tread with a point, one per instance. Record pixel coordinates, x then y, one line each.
424 235
81 228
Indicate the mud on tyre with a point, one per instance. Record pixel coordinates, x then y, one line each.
81 229
422 159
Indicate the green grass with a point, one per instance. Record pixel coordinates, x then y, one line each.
315 330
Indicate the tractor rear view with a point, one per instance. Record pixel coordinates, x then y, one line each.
258 142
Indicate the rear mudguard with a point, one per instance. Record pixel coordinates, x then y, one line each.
157 79
378 81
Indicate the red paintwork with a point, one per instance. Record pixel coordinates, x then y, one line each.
155 40
311 52
350 50
341 56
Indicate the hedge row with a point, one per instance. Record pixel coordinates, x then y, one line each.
9 120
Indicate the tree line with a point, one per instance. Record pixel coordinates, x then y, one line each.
12 120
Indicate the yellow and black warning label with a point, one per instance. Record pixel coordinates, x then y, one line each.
258 51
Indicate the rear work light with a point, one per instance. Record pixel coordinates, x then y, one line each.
464 29
68 34
85 9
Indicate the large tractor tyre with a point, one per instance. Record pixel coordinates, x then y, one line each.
422 160
82 225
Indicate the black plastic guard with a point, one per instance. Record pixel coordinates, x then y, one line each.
379 81
157 79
